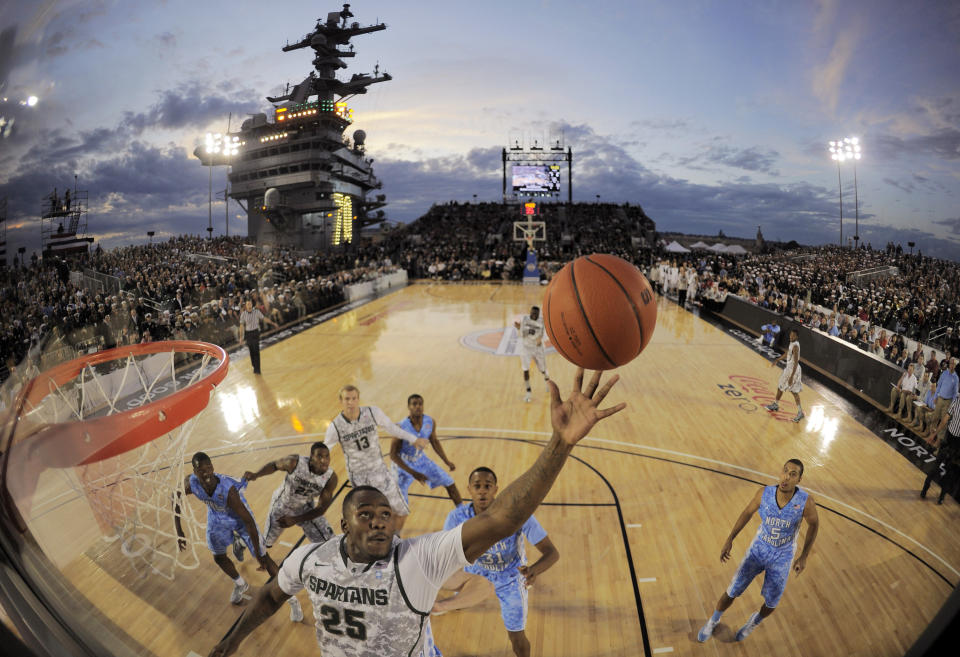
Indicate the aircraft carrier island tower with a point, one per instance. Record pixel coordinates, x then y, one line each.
304 183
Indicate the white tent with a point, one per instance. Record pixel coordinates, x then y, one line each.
699 245
736 249
719 247
676 247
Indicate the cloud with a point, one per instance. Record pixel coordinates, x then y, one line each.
749 159
952 224
943 143
902 186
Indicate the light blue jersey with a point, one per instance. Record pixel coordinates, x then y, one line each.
506 555
779 527
500 565
772 549
407 451
222 522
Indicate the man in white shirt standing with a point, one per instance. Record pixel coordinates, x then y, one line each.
355 429
371 591
530 329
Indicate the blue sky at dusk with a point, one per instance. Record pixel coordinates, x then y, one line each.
713 115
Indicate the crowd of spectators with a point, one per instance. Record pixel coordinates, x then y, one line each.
194 288
910 301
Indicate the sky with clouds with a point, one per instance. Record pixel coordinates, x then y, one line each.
711 114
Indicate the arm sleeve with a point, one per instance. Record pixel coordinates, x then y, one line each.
383 421
289 576
332 437
426 564
533 530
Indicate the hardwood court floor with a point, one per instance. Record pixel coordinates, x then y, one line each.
662 482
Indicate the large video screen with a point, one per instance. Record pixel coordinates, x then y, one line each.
536 179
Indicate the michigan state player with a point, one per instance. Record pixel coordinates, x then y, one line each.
292 503
781 508
227 514
504 565
356 431
530 329
409 463
371 591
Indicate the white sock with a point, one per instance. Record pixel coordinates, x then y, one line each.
239 581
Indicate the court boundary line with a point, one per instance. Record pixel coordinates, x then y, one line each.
755 472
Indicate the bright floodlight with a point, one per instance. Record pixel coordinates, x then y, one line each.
32 100
844 149
217 143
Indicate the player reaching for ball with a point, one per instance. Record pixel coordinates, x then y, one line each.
503 568
530 329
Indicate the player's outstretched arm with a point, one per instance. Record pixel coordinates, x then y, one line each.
265 604
287 464
181 539
813 527
752 507
572 419
386 423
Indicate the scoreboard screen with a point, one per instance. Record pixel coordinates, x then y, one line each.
538 179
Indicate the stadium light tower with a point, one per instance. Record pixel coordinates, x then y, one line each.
842 150
217 150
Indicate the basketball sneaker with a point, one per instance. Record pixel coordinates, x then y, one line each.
238 547
800 416
772 407
528 398
707 630
238 590
296 611
751 623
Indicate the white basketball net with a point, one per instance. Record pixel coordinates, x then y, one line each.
132 494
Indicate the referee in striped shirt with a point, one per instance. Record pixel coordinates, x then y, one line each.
250 332
948 453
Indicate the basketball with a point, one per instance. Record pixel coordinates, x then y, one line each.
599 312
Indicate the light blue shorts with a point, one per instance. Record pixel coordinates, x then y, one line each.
773 562
435 475
220 534
511 589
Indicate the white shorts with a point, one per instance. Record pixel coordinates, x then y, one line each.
538 357
317 530
784 383
384 481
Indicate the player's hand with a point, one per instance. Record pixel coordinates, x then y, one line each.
420 477
249 476
451 466
725 551
573 418
181 543
799 564
286 521
421 443
528 575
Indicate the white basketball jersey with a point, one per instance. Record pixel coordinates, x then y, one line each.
791 360
301 486
531 332
379 609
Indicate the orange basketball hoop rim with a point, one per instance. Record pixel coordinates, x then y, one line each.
81 442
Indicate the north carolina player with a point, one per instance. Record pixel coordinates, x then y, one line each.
504 565
410 463
355 429
227 513
371 591
292 503
790 377
530 329
781 508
